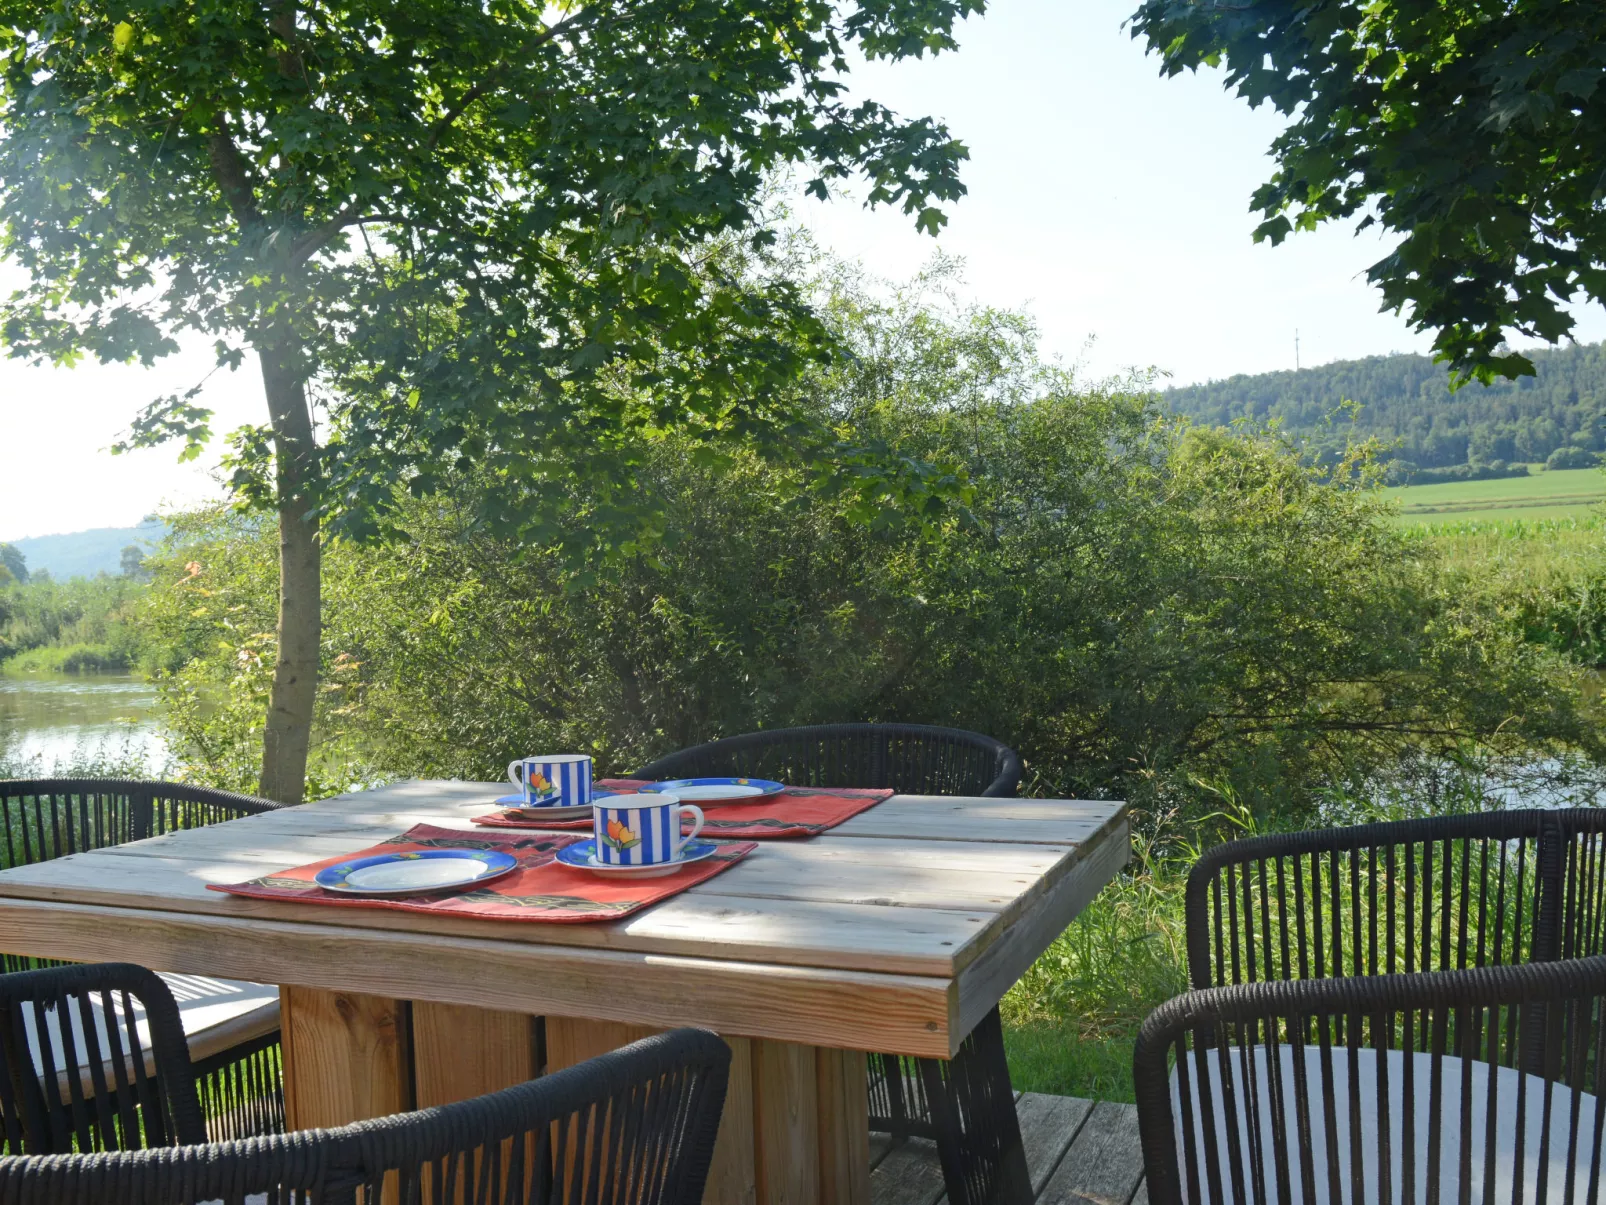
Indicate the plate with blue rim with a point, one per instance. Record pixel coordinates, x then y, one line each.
418 872
583 856
717 790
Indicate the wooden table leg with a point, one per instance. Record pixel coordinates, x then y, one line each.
844 1126
461 1052
346 1057
349 1057
795 1129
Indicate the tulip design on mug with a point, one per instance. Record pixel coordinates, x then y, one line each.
621 837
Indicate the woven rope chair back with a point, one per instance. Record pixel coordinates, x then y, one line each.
1444 893
1483 1085
1580 891
93 1058
915 759
634 1127
47 818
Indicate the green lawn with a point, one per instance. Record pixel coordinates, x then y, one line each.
1544 495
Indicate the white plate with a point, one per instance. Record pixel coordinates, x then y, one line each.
417 876
413 873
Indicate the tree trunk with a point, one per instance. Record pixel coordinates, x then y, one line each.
288 733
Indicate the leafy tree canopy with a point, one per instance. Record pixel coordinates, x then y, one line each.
475 225
1474 129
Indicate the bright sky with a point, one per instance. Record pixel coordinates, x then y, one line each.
1112 203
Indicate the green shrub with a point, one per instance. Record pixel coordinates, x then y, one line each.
1571 457
68 659
100 613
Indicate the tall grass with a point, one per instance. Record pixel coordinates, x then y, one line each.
1546 577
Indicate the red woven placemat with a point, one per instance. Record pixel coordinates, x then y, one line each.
539 890
795 812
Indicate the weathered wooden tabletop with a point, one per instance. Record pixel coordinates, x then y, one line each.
896 931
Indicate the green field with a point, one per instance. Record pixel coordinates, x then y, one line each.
1560 493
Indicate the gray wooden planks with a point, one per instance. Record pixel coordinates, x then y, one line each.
1104 1164
909 1175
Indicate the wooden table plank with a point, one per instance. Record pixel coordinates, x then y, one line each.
346 1057
460 1051
846 1009
841 869
983 981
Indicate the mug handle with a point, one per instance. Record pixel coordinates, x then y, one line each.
685 809
513 768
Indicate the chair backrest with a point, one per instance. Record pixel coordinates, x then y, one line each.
915 759
93 1058
635 1126
1483 1085
45 818
1442 893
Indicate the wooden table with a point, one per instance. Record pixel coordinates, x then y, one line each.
896 931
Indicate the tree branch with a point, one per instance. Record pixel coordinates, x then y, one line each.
309 243
233 175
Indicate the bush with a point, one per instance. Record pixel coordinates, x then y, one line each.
1133 604
69 659
1493 470
1566 457
99 614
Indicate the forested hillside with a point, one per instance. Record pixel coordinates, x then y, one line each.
1407 397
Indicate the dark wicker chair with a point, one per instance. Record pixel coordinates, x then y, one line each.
93 1058
966 1105
634 1126
236 1060
1469 1085
1447 892
916 759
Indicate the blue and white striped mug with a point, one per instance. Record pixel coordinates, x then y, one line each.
643 830
553 779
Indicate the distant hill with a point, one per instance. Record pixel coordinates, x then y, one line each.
1407 397
85 553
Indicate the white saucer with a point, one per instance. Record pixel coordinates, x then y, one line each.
582 856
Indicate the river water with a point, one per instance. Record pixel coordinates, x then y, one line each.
78 723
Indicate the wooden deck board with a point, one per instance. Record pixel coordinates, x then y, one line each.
1078 1153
